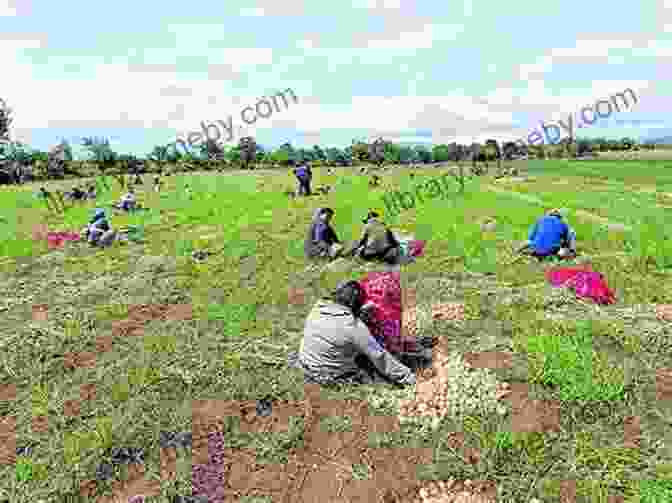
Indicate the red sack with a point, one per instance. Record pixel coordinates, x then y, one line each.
56 239
383 290
416 248
583 282
560 276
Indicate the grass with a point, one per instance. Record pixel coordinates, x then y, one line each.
596 363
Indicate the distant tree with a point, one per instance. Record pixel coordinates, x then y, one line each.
406 154
361 152
38 155
318 153
232 155
248 150
509 150
441 153
210 150
348 155
391 154
493 152
100 151
15 160
423 154
261 153
304 155
627 143
56 159
67 150
159 154
583 147
336 157
280 156
5 121
289 151
377 151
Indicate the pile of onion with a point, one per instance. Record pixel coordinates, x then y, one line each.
416 319
664 312
449 491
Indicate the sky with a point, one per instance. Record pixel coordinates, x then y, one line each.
146 73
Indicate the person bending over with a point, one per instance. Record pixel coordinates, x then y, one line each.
99 231
128 202
337 346
77 194
304 176
377 242
550 236
321 240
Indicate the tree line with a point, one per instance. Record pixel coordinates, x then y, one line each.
19 161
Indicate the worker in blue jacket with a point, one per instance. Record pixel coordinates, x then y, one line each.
549 236
304 175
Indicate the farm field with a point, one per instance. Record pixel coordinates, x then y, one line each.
109 349
662 153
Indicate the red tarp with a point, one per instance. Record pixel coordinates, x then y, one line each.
583 281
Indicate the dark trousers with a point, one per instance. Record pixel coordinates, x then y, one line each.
390 255
304 187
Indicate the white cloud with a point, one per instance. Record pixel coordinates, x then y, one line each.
252 12
586 51
376 4
585 48
422 39
8 8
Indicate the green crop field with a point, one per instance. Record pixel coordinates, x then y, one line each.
602 365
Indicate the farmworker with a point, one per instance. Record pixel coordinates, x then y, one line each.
99 231
550 236
375 181
187 191
128 201
304 175
377 242
321 240
338 347
157 183
77 194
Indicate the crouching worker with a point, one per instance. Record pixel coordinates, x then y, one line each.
321 240
337 347
377 242
128 201
99 231
550 236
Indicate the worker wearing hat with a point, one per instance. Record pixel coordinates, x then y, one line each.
550 235
377 242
